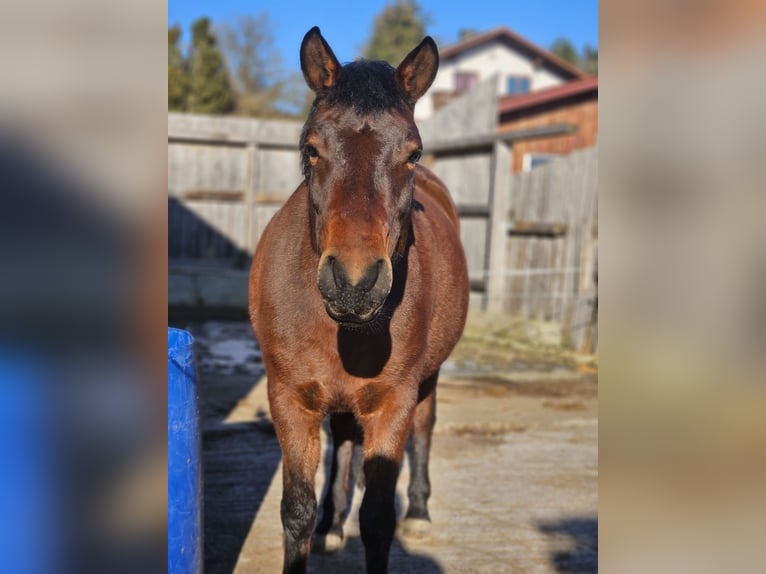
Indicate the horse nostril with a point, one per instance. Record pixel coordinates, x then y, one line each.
327 280
370 277
338 273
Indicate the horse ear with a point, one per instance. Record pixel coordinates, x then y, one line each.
418 70
319 65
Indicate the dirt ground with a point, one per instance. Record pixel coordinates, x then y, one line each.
513 466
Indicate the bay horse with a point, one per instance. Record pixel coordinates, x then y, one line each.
358 293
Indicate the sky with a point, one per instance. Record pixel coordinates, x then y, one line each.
347 25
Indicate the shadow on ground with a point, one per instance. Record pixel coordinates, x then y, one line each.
351 560
239 462
579 538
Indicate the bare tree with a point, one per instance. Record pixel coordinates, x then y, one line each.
261 86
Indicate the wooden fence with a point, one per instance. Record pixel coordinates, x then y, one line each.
551 247
226 179
529 238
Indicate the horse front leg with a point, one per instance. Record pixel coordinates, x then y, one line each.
298 432
386 428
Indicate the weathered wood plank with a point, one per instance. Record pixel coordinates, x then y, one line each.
213 195
498 202
537 228
475 144
475 210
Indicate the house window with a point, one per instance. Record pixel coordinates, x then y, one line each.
465 81
533 160
518 85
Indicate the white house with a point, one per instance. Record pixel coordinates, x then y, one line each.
520 66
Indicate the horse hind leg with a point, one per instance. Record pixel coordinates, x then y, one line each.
417 521
328 536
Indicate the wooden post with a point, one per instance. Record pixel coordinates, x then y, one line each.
251 188
495 254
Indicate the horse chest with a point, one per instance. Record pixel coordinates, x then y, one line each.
346 371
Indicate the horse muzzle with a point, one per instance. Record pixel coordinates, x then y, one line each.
354 294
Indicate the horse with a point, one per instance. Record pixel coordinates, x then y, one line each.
358 293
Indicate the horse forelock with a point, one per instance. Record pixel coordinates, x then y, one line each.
367 87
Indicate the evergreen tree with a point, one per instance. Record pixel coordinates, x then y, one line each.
210 88
178 75
589 60
564 49
398 28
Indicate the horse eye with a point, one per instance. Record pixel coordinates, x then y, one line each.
414 157
312 152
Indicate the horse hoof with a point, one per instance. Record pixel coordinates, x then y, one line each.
416 527
327 543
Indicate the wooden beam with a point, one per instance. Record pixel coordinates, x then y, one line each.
477 284
231 195
495 252
224 139
483 143
473 210
537 228
252 182
438 147
266 198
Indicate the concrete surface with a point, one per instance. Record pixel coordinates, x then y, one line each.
514 462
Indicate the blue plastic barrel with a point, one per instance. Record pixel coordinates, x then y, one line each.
29 504
184 484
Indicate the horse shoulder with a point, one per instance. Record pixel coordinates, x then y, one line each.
440 267
430 187
281 241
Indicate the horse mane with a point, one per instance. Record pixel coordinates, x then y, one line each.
366 86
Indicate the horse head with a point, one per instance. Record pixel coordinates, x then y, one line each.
359 148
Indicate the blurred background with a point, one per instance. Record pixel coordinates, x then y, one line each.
82 287
682 248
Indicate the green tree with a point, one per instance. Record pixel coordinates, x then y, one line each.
397 29
589 60
261 88
210 88
564 49
178 75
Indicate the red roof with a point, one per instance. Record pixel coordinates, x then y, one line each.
505 35
585 85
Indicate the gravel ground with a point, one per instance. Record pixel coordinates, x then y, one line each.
513 466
